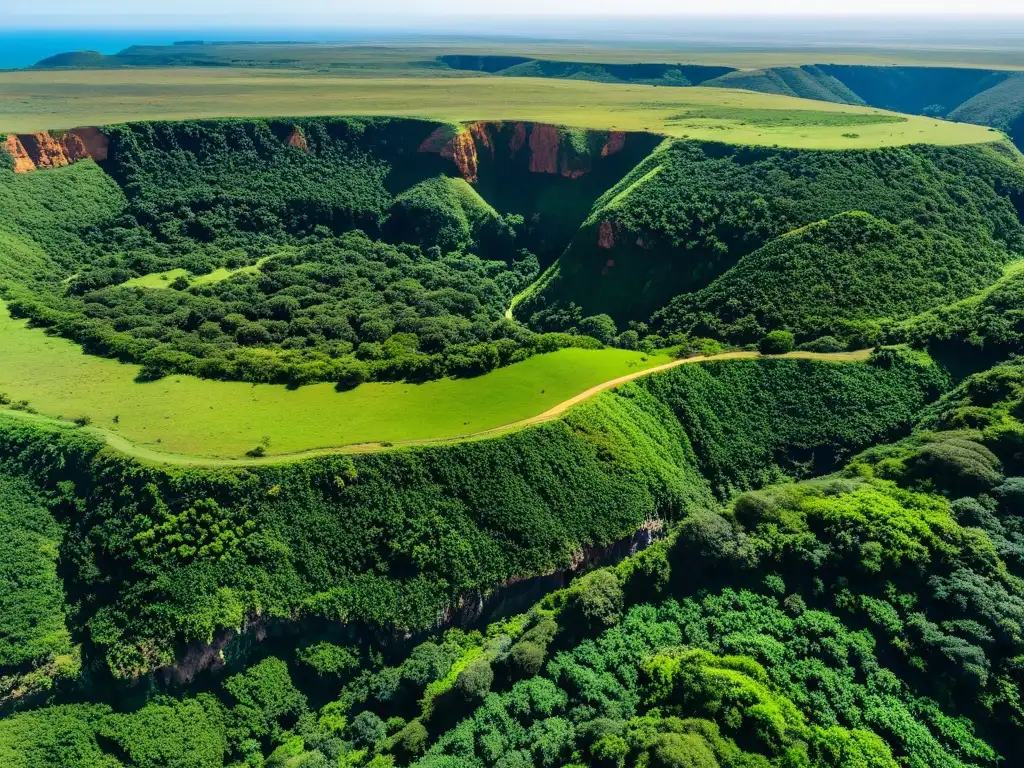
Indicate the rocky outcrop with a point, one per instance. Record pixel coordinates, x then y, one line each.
45 151
545 143
541 148
518 140
32 151
606 235
82 143
298 140
22 162
473 610
459 147
614 144
549 153
482 137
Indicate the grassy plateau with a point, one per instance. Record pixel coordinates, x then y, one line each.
40 100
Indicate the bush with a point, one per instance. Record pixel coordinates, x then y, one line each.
777 343
823 344
957 465
600 327
682 750
367 730
528 658
412 740
474 682
598 598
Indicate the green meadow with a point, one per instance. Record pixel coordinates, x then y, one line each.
39 100
217 419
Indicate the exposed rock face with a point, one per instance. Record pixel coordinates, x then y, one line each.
32 151
298 140
548 150
22 162
45 151
548 154
606 235
93 141
460 149
482 137
200 657
518 138
544 145
614 144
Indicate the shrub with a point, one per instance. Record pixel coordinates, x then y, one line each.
528 658
598 598
474 682
682 750
823 344
412 740
600 327
777 343
367 730
957 465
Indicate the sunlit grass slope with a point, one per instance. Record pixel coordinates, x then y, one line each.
185 415
31 101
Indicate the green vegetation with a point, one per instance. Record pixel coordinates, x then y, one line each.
984 96
807 82
827 277
198 552
325 308
781 118
641 74
735 256
860 619
35 644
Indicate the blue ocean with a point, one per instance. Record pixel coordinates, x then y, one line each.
23 48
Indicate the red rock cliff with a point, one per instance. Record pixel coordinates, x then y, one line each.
22 162
32 151
614 144
548 150
544 145
460 149
298 140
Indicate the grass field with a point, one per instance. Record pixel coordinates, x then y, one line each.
31 101
204 418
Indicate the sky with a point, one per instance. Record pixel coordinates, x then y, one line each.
393 12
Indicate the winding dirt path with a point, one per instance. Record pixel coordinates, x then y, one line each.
147 454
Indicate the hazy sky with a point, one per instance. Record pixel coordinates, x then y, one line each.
300 12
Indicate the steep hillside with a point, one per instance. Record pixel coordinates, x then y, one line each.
918 90
825 278
680 75
691 212
807 82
